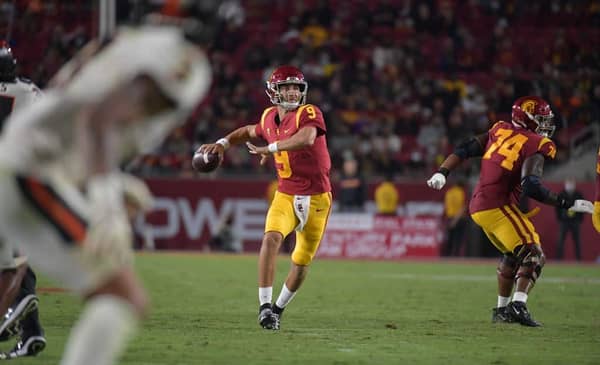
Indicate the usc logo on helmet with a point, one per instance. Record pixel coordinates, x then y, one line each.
528 106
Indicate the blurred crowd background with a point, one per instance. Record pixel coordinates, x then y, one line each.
400 82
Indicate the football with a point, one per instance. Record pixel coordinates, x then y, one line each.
205 162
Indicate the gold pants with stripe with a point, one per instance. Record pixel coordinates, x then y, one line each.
506 227
281 218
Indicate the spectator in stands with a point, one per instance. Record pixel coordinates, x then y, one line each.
455 214
569 221
387 196
351 47
352 191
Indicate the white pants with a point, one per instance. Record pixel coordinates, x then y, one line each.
48 221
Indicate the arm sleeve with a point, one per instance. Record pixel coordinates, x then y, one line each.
469 148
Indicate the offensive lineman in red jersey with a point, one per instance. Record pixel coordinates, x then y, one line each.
295 133
596 214
512 162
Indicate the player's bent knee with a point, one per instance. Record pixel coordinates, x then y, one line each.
508 266
532 260
273 239
302 258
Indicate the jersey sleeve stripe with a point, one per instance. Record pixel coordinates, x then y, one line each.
263 116
552 151
543 141
71 227
299 113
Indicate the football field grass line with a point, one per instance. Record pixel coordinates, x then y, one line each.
204 311
483 278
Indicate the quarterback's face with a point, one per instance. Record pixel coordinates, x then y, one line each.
290 92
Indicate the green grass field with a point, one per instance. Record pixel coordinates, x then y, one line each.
348 312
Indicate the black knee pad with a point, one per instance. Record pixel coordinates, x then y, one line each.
532 260
507 267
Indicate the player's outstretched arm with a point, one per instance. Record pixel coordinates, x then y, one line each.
305 137
470 148
238 136
130 102
531 174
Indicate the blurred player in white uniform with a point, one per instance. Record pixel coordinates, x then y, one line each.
17 280
15 92
61 187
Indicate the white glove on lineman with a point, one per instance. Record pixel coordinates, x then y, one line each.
582 206
437 181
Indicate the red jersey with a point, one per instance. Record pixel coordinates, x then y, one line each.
500 177
300 172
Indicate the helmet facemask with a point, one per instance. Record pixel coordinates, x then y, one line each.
277 98
545 125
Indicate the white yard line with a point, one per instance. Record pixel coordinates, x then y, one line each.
484 278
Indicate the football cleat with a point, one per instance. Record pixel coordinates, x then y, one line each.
267 319
11 330
501 315
277 310
276 324
519 313
30 346
10 326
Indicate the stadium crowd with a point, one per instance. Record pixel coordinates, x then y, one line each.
399 82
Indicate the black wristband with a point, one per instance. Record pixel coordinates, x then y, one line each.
444 171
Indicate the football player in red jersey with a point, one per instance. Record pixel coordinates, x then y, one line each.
596 214
512 161
295 133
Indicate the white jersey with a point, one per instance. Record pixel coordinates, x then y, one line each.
16 95
42 140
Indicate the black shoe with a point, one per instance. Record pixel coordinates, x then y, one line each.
11 330
267 319
519 313
10 326
277 310
501 315
30 346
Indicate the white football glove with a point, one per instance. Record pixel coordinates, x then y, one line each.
136 192
109 236
582 206
108 242
437 181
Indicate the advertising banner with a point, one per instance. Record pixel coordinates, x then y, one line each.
187 212
381 237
